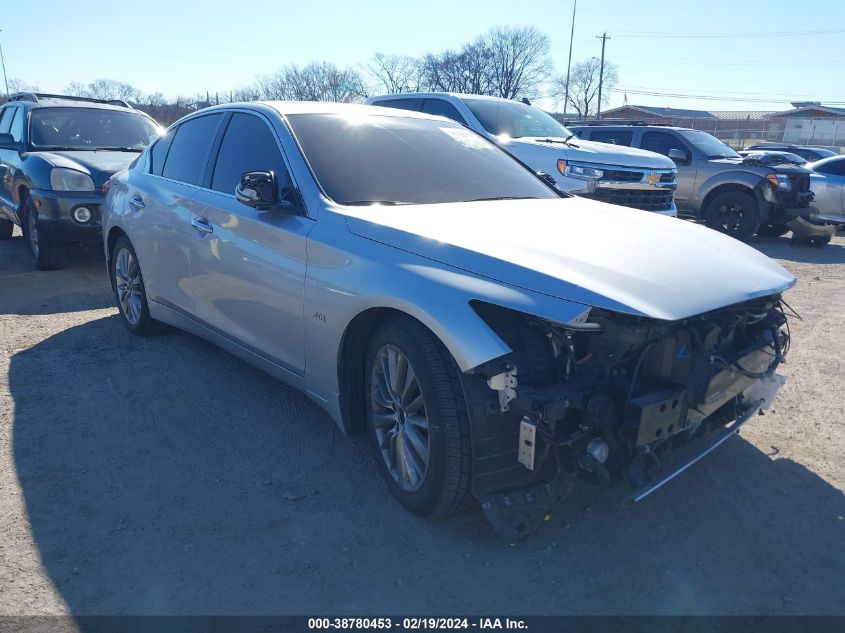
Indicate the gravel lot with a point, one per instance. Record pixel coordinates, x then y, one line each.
164 476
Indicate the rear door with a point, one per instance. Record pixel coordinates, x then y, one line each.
9 163
248 265
160 204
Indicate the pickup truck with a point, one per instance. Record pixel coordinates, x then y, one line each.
618 175
739 196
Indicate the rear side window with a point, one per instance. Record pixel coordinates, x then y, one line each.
832 167
402 104
16 129
443 108
249 145
614 137
6 119
158 153
189 149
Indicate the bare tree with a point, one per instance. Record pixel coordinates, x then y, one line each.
104 89
318 81
395 73
519 60
584 85
466 70
19 85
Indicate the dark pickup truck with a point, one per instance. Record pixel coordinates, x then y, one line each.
735 195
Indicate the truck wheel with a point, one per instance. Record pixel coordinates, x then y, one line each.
417 418
49 253
773 230
734 213
129 291
7 227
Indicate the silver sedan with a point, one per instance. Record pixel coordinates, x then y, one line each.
828 183
491 334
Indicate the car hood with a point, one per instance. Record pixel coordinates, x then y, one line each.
101 165
785 168
592 152
581 250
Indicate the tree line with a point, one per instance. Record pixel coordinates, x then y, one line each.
509 62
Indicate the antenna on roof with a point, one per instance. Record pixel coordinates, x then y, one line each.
526 101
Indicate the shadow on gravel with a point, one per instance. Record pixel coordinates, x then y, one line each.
163 476
81 285
782 248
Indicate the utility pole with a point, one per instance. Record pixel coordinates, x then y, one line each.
569 63
6 81
603 37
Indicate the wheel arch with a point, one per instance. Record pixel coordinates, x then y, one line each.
742 185
352 358
115 233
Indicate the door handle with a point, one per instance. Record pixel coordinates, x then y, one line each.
136 202
201 225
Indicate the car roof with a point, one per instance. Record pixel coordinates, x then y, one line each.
457 95
602 126
323 107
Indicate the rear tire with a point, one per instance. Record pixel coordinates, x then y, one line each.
733 213
7 227
129 291
417 418
49 253
773 230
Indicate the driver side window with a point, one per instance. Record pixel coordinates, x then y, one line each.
662 142
248 145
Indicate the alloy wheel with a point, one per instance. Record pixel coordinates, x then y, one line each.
399 417
127 277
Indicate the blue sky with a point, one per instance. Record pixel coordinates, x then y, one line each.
185 47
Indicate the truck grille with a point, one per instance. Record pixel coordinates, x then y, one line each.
645 199
800 182
618 175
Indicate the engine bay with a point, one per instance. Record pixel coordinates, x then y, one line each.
612 396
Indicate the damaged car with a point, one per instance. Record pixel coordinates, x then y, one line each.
492 335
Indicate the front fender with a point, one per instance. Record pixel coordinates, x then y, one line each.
753 181
352 274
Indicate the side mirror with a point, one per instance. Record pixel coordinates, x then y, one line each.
678 155
260 190
7 141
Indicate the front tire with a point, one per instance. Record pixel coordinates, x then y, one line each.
417 418
733 213
129 291
49 253
773 230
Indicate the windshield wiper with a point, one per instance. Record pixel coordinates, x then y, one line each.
502 198
555 140
59 148
362 203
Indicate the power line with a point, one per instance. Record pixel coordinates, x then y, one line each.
732 62
664 35
678 95
788 95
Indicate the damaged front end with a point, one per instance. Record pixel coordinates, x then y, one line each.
611 397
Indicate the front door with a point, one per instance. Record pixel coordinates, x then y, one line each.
247 265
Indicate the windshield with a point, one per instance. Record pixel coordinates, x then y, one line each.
517 120
709 145
90 129
370 159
